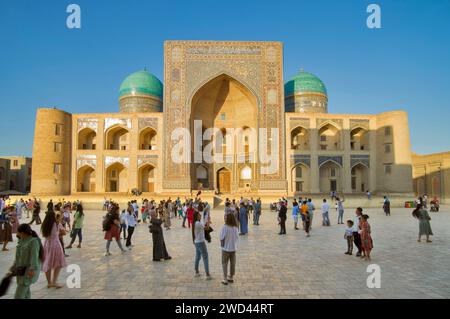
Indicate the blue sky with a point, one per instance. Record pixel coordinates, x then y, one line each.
405 65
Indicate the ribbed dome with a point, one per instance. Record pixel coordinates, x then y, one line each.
304 82
141 82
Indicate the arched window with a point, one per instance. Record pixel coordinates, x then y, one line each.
246 173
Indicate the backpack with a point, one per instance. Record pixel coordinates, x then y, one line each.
106 225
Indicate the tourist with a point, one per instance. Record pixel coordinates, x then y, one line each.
14 219
387 206
190 214
425 201
111 227
135 207
50 206
282 216
36 211
5 228
27 264
349 237
123 224
131 224
366 238
185 209
257 212
66 215
144 210
295 213
19 209
356 235
201 251
159 246
228 242
78 220
305 216
311 209
166 214
54 258
369 195
325 213
424 223
62 232
340 208
243 219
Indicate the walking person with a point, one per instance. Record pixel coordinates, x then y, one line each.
366 237
325 213
190 214
131 224
201 251
424 223
243 219
159 246
229 237
305 214
27 264
282 216
111 227
5 228
257 212
356 234
123 224
77 226
311 209
340 208
166 213
387 206
295 213
36 211
54 258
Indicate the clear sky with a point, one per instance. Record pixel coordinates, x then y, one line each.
404 65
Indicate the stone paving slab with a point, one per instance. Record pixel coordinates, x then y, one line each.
268 265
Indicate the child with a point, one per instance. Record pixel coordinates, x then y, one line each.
349 236
123 224
366 238
66 216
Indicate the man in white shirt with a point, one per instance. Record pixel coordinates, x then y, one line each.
325 213
131 223
356 235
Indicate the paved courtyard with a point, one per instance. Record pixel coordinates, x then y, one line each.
268 265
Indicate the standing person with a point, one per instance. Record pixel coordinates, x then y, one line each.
111 227
66 216
295 213
77 226
5 228
145 208
366 238
131 224
257 212
243 219
166 214
369 195
311 209
159 246
282 216
424 223
62 232
14 219
54 258
36 211
201 251
387 206
307 222
50 205
184 214
29 256
425 201
190 214
325 213
229 237
356 235
340 208
123 224
349 237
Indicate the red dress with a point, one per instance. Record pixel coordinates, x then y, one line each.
113 233
366 238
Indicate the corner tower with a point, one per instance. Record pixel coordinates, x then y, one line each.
51 153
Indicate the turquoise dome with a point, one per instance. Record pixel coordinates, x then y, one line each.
141 82
304 82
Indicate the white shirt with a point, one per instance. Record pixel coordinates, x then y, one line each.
325 208
131 220
229 236
356 223
199 232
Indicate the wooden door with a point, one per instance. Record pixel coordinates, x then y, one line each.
224 181
151 188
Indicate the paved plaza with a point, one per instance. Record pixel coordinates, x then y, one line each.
268 265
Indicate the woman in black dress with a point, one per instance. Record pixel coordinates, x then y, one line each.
159 246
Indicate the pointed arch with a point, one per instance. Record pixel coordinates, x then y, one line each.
147 138
300 174
146 174
117 137
300 138
87 139
86 179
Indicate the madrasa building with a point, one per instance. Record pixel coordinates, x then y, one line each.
225 84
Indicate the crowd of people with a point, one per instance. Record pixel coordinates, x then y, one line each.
64 217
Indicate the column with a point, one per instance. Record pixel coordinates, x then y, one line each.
346 163
314 169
